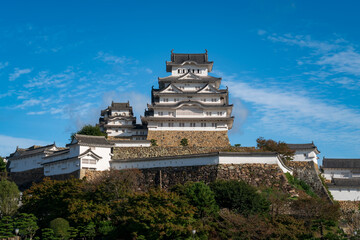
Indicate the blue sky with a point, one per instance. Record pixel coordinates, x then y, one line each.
292 67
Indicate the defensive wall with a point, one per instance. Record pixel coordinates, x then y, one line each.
195 138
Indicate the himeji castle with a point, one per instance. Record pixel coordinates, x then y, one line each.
189 104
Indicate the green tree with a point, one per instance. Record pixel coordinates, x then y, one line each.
87 231
279 147
48 234
154 215
200 196
6 227
9 197
2 165
239 196
60 227
27 225
71 199
89 130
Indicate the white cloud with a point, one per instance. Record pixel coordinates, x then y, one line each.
18 72
8 144
347 61
148 70
261 32
3 64
36 113
44 79
29 103
112 59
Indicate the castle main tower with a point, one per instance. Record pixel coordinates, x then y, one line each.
189 104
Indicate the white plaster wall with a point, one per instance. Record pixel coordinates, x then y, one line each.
247 159
305 156
132 144
182 162
203 70
103 152
63 167
24 164
345 194
120 113
337 173
197 161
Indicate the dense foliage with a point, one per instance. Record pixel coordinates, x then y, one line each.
2 165
279 147
114 207
9 198
89 130
239 197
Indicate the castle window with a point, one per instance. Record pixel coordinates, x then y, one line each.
183 70
219 113
188 69
170 124
178 70
214 124
208 113
192 124
160 113
198 70
171 114
193 71
213 99
203 124
181 124
204 100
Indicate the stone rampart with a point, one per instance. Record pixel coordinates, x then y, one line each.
158 151
309 173
26 178
195 138
259 175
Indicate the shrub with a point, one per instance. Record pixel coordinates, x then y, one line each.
153 142
300 184
239 197
200 196
60 227
184 142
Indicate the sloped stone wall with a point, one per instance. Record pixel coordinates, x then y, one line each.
309 173
195 138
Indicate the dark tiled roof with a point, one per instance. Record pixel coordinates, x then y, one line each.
346 182
60 152
179 58
91 140
341 163
302 146
31 151
120 106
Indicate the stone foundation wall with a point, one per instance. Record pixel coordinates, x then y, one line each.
309 173
258 175
25 179
195 138
157 151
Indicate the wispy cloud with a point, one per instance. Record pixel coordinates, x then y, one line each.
18 72
45 79
112 59
3 64
333 57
